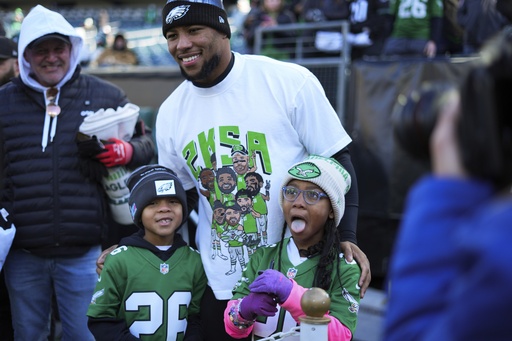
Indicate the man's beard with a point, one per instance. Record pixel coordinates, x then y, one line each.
206 70
253 191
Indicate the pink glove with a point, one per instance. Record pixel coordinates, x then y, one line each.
274 283
118 153
254 305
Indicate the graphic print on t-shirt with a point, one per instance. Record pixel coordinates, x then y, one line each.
234 184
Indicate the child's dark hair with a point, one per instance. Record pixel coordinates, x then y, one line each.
329 256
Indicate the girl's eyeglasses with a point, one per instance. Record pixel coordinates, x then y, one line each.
310 196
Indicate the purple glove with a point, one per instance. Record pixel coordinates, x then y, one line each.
254 305
274 283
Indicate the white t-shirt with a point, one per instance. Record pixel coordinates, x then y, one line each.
279 113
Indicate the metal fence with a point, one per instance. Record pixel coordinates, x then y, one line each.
296 43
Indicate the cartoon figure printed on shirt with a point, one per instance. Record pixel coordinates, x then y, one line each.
207 179
229 182
235 236
244 199
226 181
254 183
219 226
207 176
210 191
241 164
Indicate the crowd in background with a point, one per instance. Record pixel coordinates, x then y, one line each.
378 28
413 28
102 30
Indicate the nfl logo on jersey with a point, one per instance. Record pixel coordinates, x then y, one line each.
164 268
291 273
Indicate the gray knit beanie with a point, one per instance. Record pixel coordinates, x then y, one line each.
326 173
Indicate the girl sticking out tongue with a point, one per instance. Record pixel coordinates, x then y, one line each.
276 276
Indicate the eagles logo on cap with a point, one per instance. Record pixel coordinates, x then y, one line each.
165 187
217 3
209 13
177 13
306 170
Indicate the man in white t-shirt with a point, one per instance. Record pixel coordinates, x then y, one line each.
275 112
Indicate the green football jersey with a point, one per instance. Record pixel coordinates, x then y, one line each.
344 293
412 17
153 297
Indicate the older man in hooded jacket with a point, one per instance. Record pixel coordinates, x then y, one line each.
54 198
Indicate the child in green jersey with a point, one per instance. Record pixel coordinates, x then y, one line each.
152 283
266 300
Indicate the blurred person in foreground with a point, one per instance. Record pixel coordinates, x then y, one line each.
211 122
449 277
50 191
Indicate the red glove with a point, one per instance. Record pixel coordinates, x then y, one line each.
118 153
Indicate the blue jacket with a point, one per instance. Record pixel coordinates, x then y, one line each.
450 276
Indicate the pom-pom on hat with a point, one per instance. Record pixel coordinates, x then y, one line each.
326 173
195 12
149 182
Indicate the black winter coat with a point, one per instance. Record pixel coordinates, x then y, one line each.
55 208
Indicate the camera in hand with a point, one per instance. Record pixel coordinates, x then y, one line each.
485 125
415 117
